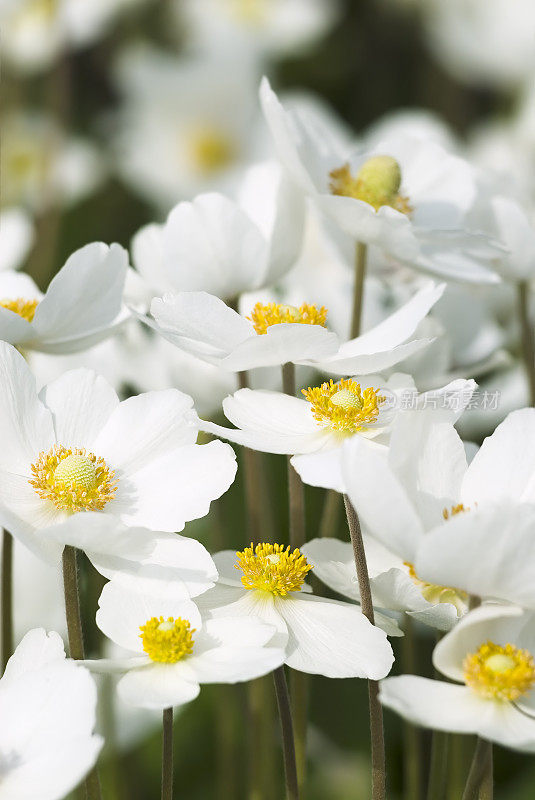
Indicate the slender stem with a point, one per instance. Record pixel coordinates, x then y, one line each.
376 711
486 791
285 714
412 736
458 767
167 754
528 341
438 770
7 598
480 774
76 640
361 254
330 513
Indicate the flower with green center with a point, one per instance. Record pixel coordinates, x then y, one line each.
377 183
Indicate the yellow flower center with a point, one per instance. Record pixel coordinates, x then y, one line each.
458 509
210 149
167 640
272 568
434 593
377 183
251 12
263 316
344 406
500 673
73 479
24 308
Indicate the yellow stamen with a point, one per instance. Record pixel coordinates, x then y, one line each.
500 673
24 308
458 509
263 316
272 568
344 406
73 479
167 640
434 593
210 149
377 183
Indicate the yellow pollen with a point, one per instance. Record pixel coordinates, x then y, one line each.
434 593
273 568
377 183
500 673
73 479
458 509
263 316
24 308
167 640
210 149
344 406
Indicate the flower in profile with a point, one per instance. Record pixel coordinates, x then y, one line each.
490 656
82 305
172 648
47 708
319 636
75 448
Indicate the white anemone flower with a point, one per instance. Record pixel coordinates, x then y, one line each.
276 333
319 636
16 237
270 27
392 581
47 712
82 305
407 196
172 650
490 657
74 447
225 247
516 230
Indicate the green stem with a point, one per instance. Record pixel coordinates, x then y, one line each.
527 337
412 736
376 711
438 770
76 640
7 598
486 790
167 754
480 775
361 255
285 714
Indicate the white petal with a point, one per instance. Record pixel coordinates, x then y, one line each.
323 469
17 235
332 638
229 574
81 403
232 601
283 343
157 686
23 513
37 649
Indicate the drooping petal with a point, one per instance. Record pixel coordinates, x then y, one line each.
158 686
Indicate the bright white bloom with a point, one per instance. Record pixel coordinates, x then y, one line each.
172 650
41 166
491 651
275 334
187 125
47 713
38 31
275 27
16 237
320 636
76 448
216 245
407 196
393 582
516 230
82 305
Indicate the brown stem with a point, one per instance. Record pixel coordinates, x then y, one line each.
376 711
361 253
167 754
7 598
480 774
285 714
528 341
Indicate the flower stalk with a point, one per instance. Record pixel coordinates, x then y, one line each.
479 783
167 754
285 714
527 337
361 257
7 598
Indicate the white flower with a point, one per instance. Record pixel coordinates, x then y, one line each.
187 125
407 196
320 636
16 237
274 27
516 231
491 651
47 713
177 650
275 334
216 245
75 447
82 305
